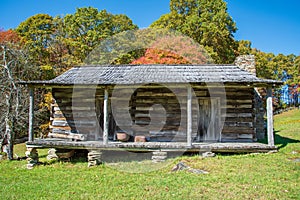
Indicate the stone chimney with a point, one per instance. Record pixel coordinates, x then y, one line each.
246 62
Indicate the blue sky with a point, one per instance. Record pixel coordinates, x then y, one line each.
271 25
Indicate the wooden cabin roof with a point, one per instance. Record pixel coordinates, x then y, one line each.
142 74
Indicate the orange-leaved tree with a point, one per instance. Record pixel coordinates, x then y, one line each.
174 49
158 56
9 37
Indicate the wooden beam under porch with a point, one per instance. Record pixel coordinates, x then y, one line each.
153 146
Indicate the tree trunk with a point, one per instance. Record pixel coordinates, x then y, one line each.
9 128
11 97
10 138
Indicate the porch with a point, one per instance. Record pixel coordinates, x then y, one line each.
213 103
216 147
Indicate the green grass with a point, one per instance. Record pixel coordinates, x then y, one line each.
244 176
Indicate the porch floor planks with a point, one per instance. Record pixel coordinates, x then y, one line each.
229 147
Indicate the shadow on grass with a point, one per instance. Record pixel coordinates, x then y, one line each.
284 141
280 141
80 156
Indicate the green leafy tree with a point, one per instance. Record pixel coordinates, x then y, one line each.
62 42
54 44
205 21
297 66
264 64
283 63
277 67
87 27
36 36
280 67
244 47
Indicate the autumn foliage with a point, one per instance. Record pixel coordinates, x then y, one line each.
174 49
158 56
9 37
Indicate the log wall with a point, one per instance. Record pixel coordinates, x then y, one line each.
259 110
77 114
239 121
155 111
236 111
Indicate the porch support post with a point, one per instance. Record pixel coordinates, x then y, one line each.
31 114
94 157
105 120
189 116
270 117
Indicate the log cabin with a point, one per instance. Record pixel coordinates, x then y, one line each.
159 108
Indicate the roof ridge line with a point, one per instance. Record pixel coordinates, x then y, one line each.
142 65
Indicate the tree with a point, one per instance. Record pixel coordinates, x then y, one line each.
13 105
205 21
264 64
297 66
127 47
174 49
59 43
53 45
280 67
9 37
36 35
87 27
157 56
244 47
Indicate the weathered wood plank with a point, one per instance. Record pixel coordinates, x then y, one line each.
61 127
239 115
105 118
31 114
239 106
239 119
237 101
270 117
237 130
67 136
151 146
237 137
239 124
189 116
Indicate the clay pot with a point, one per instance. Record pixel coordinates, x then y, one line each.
123 137
139 138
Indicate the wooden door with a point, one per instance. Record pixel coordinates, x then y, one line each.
209 120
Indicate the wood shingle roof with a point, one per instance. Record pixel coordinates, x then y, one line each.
142 74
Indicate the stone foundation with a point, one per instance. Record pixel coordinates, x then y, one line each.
94 158
32 157
159 156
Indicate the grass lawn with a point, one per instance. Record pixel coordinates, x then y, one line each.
244 176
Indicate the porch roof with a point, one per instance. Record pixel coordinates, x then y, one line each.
143 74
